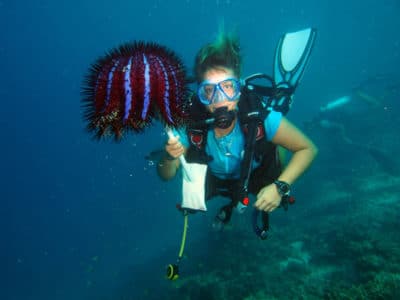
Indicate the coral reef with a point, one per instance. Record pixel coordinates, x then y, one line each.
340 240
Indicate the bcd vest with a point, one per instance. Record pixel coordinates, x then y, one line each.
251 116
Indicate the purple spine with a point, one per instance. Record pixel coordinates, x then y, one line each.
128 89
146 95
109 83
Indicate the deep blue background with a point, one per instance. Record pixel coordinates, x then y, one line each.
75 212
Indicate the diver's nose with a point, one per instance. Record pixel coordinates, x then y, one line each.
218 97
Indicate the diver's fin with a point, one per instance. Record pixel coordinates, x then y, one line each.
291 56
339 102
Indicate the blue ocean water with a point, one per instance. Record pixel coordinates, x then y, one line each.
91 220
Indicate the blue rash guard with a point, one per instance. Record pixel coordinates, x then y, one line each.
227 151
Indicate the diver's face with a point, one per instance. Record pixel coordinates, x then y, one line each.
217 75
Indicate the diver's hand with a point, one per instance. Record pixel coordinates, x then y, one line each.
268 198
169 164
174 148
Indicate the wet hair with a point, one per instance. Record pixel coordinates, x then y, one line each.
223 52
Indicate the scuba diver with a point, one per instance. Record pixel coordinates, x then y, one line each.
333 115
370 96
237 164
341 117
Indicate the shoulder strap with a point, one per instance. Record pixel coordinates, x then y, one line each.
252 112
251 115
196 131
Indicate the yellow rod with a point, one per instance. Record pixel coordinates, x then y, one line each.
183 236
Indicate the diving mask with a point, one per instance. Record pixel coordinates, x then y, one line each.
211 93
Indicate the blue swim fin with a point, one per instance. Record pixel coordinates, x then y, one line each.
291 57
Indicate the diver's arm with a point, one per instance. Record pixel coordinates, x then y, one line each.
167 167
304 152
303 149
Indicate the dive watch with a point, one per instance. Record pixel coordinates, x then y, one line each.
283 188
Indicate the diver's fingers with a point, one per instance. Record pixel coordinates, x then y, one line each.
178 152
172 143
265 206
261 204
174 147
173 140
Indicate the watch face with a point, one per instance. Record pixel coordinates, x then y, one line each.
284 188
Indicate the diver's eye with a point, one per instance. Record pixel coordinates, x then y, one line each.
228 88
208 90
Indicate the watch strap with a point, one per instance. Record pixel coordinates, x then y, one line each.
283 187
